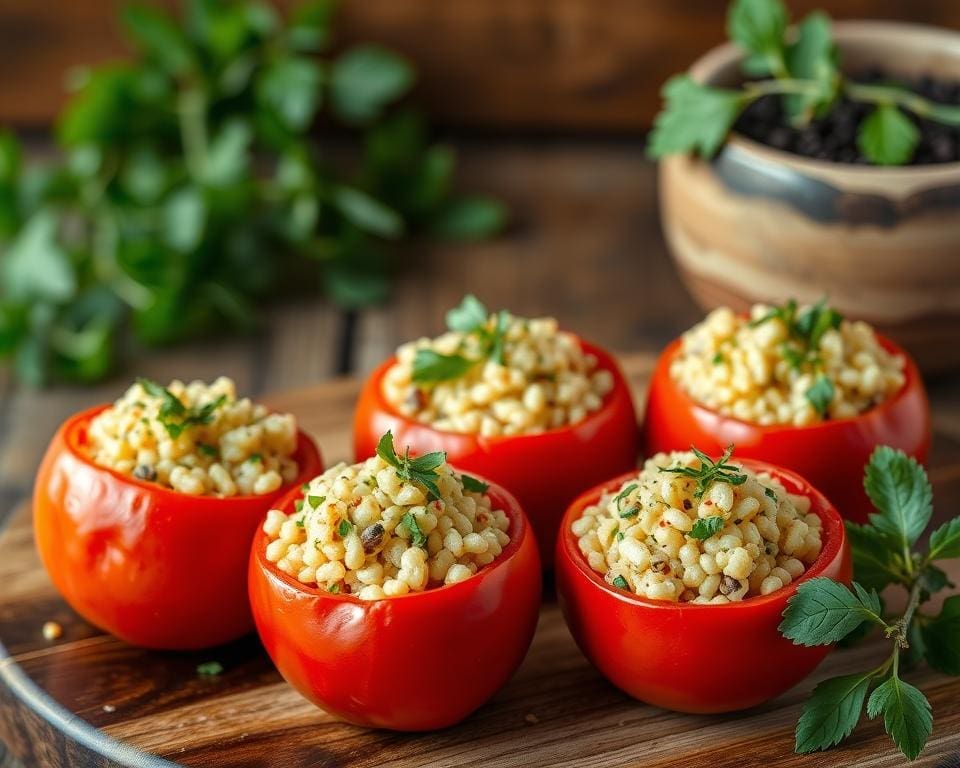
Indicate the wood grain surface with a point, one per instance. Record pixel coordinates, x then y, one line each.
88 699
547 65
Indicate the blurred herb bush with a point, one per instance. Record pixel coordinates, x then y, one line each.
192 187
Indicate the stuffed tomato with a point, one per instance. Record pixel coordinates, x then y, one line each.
673 580
398 592
144 510
799 387
519 401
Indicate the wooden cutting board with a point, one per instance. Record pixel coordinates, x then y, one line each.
90 700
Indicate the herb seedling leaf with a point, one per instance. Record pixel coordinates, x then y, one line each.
832 711
823 611
705 527
906 714
899 489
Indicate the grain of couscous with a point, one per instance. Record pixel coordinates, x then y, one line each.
786 365
688 529
496 374
387 526
196 439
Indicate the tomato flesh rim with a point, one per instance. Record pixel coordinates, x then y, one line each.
832 528
519 531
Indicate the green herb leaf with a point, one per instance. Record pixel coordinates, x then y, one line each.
469 218
368 213
758 26
386 451
906 714
695 118
945 541
718 358
770 493
471 315
208 450
620 536
315 501
209 669
621 583
417 538
35 266
875 559
820 395
709 471
899 489
941 637
334 588
473 485
832 711
428 461
622 496
888 136
629 512
365 79
812 57
422 471
430 366
291 87
345 528
705 527
823 611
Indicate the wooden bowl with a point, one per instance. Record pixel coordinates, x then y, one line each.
761 224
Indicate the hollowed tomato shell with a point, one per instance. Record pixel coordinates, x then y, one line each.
690 657
544 471
831 455
154 567
417 662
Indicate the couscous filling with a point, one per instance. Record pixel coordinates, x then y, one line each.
196 438
689 529
496 374
786 365
387 526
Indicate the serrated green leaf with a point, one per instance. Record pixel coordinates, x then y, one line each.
430 366
365 80
832 712
695 118
945 541
823 611
468 316
876 561
906 714
941 637
758 27
473 485
900 491
812 57
888 136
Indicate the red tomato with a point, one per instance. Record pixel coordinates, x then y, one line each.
154 567
690 657
831 455
417 662
544 471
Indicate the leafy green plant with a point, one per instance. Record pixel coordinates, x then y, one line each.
802 66
824 611
193 185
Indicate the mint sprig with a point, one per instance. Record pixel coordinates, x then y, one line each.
709 471
802 67
421 470
824 611
472 319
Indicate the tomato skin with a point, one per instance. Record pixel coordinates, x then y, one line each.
154 567
417 662
693 658
831 455
545 471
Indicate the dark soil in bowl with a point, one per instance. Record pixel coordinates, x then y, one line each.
834 137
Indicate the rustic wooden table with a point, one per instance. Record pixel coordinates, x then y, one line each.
584 246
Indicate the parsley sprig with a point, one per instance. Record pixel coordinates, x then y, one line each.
824 611
174 415
803 68
421 470
710 471
472 319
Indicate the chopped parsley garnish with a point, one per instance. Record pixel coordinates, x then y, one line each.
706 527
621 583
473 485
710 472
334 588
255 457
345 528
805 330
210 669
718 358
316 501
622 496
629 512
174 415
298 505
417 537
820 395
421 470
470 318
208 450
300 523
619 536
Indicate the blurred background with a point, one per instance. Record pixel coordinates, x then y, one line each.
285 192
